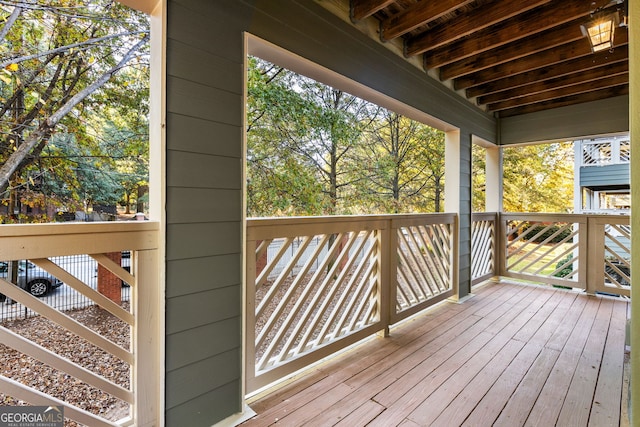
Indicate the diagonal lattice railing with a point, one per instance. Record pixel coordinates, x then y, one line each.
320 293
483 246
424 257
545 248
317 285
78 362
590 252
596 153
611 269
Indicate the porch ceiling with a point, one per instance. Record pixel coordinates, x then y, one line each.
510 57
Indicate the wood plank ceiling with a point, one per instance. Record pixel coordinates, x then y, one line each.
510 57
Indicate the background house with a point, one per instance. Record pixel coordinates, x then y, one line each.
602 176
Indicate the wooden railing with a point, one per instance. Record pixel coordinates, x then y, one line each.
590 252
484 248
314 287
318 285
140 393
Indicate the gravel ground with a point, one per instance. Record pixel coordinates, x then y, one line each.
36 374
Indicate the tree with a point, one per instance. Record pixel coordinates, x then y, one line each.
407 167
313 149
57 60
478 178
279 182
300 135
538 178
335 132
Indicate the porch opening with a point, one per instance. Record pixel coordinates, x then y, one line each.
320 144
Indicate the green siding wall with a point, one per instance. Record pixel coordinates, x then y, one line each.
204 211
579 121
603 176
205 54
464 256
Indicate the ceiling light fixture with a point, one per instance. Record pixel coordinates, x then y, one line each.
600 30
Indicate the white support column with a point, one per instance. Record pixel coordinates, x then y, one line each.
577 190
452 171
148 374
452 190
634 127
493 173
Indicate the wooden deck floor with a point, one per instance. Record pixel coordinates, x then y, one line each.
513 355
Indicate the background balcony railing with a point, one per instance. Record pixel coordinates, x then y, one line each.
605 152
318 285
74 370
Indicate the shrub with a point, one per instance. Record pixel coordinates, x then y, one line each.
531 230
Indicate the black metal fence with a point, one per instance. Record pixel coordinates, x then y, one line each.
48 288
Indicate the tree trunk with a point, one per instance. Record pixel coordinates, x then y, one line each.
142 191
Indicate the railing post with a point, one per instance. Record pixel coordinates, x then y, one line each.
594 255
387 241
497 242
501 243
455 255
147 371
251 272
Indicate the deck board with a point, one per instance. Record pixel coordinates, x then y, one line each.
580 394
609 386
512 355
547 408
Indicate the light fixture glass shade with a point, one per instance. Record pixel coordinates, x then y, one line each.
600 31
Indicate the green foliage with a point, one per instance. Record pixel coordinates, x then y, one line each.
530 231
56 50
565 265
538 178
478 179
314 150
406 172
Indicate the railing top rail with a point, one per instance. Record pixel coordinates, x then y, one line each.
9 230
478 216
340 218
556 216
265 228
28 241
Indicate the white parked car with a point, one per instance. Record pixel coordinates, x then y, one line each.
32 278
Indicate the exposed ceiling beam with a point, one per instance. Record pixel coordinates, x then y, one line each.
507 57
556 37
570 100
469 23
546 58
417 15
516 28
599 59
361 9
556 83
563 92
